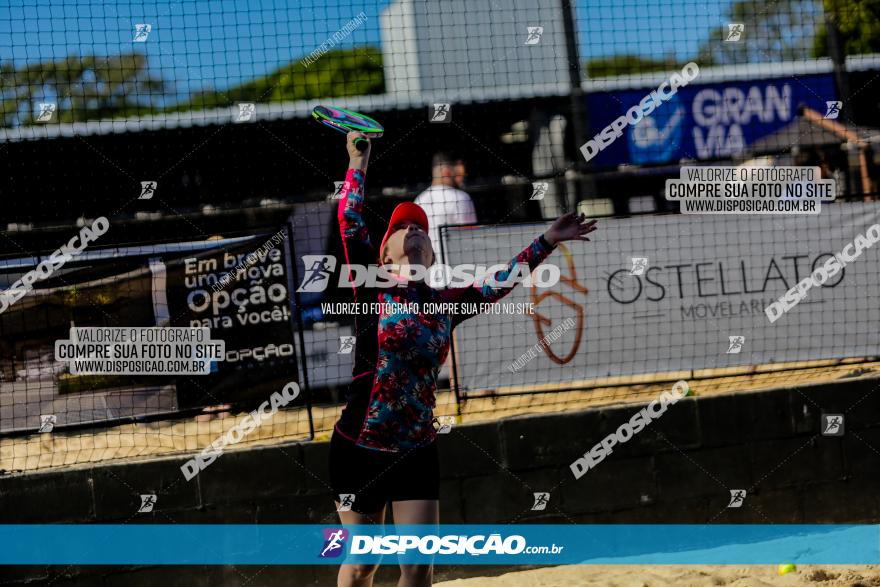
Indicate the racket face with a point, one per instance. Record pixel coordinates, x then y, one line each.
347 120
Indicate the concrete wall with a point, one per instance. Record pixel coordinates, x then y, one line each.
444 48
678 470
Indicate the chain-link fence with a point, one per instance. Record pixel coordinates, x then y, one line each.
189 132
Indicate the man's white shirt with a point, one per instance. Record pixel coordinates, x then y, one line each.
445 205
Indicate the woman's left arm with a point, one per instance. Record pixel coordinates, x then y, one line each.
567 227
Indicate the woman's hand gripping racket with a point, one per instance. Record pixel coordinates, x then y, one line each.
346 120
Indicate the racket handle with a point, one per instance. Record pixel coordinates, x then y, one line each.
361 144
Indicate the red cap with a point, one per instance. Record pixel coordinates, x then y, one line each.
405 212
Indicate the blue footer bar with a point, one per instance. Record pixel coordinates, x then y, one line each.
514 544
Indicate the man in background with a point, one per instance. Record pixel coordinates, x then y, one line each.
445 202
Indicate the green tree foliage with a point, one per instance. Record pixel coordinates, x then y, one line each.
859 25
91 87
626 64
83 88
774 31
337 73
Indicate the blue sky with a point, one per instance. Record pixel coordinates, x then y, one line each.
219 43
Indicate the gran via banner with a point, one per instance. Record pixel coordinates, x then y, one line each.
705 120
668 293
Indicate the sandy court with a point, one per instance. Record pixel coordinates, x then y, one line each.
679 576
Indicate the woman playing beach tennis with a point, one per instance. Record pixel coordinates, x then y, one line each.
383 446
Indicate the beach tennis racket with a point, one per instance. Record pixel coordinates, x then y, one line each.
346 120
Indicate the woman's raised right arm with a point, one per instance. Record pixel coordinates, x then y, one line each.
356 244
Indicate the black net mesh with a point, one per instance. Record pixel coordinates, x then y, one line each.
187 126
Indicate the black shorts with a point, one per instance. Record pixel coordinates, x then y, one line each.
376 477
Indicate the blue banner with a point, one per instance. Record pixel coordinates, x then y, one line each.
704 121
522 544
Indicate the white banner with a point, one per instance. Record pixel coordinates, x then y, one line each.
695 297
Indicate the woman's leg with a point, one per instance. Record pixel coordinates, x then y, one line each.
416 511
358 575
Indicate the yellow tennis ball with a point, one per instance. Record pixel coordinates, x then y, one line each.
786 568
